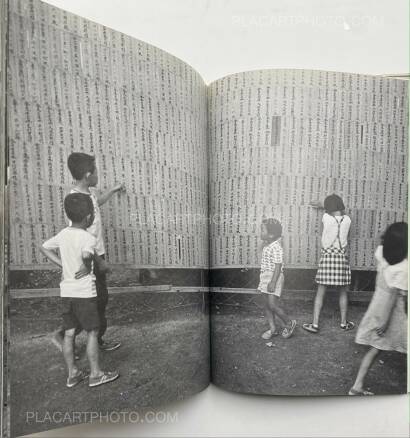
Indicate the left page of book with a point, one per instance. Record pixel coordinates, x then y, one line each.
75 86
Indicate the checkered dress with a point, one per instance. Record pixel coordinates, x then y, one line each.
334 268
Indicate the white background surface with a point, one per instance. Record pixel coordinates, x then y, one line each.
219 37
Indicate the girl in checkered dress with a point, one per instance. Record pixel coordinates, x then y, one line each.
271 278
334 269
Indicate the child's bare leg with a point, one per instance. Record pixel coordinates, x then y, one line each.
343 303
364 368
92 353
278 310
271 320
317 307
58 338
269 314
68 352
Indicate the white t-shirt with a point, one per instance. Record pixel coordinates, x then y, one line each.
96 227
72 243
329 235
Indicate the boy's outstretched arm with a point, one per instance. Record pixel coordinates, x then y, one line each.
102 199
51 255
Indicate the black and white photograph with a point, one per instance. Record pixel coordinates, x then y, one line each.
108 231
308 246
167 234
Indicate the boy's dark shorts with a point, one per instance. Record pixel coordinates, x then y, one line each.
80 312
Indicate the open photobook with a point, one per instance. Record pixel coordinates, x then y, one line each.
162 233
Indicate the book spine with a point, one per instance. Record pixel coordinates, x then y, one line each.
4 411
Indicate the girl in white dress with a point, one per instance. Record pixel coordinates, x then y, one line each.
384 326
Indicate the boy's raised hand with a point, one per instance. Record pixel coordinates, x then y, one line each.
102 199
119 188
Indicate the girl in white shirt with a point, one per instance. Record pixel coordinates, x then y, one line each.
334 268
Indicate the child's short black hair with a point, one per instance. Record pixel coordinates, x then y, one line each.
394 241
78 206
273 227
333 203
80 164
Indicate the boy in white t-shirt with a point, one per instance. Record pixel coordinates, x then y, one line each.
84 171
76 248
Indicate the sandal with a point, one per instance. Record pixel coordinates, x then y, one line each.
107 377
288 331
269 334
348 326
357 392
311 328
79 377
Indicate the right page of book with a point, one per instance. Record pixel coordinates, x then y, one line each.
308 248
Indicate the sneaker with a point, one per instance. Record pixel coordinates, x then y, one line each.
79 377
269 334
311 328
107 377
348 326
288 331
110 346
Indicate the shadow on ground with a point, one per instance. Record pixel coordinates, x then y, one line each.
164 357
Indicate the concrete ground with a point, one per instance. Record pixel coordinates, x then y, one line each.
164 357
306 364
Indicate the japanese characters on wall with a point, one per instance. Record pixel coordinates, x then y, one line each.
279 139
78 86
